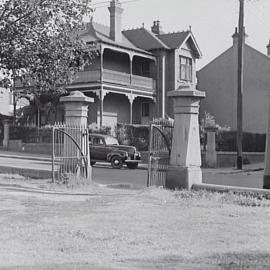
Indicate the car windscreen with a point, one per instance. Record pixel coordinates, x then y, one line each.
111 141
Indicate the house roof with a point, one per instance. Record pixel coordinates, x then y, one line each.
174 40
178 39
95 32
141 39
144 39
147 40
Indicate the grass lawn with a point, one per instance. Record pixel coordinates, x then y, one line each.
133 229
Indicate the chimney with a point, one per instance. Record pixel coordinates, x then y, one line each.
235 37
268 48
156 28
116 11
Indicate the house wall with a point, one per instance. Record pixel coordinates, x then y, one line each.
171 79
117 108
161 66
173 72
137 109
93 108
216 79
119 104
256 91
5 101
219 80
186 51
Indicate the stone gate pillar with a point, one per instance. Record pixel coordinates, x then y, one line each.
6 133
76 114
185 160
76 108
211 153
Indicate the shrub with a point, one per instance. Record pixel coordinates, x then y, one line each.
252 142
135 135
94 128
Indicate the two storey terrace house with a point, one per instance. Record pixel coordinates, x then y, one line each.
130 77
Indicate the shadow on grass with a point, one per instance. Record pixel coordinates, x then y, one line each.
223 261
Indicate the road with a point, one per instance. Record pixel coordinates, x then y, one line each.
138 178
104 174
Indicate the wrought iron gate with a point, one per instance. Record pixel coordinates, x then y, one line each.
71 156
159 151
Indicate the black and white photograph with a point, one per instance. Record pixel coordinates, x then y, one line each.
134 134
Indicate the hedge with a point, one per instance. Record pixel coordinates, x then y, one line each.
31 134
252 142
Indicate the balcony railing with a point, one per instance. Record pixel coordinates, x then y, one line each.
143 82
129 80
87 76
116 77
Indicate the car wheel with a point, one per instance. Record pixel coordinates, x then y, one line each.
116 162
132 165
92 163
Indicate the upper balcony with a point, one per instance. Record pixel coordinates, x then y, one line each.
118 78
122 70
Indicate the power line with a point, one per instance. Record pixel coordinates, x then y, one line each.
99 3
102 6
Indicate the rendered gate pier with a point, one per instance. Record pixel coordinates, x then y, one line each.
160 143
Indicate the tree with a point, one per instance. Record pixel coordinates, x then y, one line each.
40 46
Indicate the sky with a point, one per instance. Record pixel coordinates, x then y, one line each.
213 21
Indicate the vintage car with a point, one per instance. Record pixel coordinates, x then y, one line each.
106 148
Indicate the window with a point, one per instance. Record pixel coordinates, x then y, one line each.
111 141
185 69
145 110
97 141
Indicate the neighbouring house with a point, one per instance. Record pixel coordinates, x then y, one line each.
7 108
134 70
6 102
219 80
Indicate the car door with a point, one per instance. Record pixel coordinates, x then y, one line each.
98 149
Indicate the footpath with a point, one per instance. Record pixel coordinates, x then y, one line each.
26 164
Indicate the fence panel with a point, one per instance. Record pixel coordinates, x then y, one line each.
71 156
159 151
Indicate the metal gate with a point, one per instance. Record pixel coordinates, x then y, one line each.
70 154
160 142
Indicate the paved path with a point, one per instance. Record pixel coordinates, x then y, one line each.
251 176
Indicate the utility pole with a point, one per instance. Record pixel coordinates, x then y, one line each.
240 87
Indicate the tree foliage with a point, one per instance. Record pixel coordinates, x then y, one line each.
40 47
